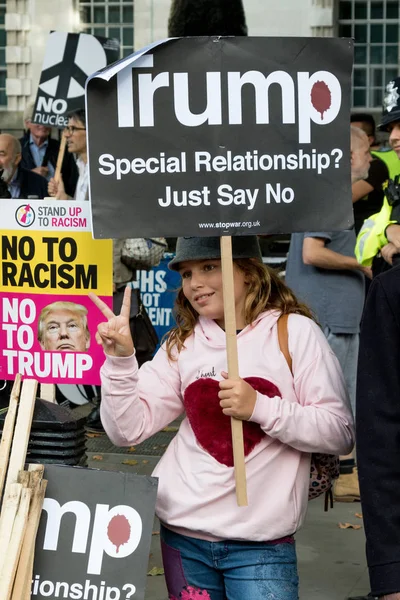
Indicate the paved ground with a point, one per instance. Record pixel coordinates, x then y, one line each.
331 560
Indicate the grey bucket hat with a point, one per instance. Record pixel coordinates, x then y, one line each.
203 248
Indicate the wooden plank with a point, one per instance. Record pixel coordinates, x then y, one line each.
39 468
22 430
60 157
24 574
8 430
26 592
8 515
7 574
233 365
23 478
48 392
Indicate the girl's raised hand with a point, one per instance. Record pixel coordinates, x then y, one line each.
115 334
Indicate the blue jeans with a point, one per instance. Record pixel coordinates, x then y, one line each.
200 570
345 346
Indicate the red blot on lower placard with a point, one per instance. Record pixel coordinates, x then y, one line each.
321 98
119 531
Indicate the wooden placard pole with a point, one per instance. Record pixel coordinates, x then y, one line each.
60 157
8 515
23 577
23 498
7 574
22 430
8 430
48 392
233 365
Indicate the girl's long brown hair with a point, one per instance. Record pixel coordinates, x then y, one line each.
266 291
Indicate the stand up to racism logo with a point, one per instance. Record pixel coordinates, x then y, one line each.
25 215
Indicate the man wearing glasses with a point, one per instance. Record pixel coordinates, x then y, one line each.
75 134
40 153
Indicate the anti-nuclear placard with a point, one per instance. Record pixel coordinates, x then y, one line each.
69 59
213 136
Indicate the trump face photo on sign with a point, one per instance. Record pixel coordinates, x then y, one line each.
63 326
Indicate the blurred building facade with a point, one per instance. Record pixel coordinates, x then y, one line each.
25 24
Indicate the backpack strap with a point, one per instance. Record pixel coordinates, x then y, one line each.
283 339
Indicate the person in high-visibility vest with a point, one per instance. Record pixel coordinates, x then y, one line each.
391 160
367 194
378 242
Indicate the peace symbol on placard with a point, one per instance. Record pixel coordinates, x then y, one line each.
69 60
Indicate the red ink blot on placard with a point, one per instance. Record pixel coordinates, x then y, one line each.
119 531
321 98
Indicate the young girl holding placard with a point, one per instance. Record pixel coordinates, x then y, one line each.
211 547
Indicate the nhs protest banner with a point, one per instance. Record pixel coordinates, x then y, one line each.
94 535
222 136
69 59
48 264
158 289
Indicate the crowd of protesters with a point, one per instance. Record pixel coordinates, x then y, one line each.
348 279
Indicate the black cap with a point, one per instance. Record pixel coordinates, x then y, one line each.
204 248
391 104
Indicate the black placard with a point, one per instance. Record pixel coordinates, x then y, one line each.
222 136
94 534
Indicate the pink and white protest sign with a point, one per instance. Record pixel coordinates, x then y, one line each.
49 263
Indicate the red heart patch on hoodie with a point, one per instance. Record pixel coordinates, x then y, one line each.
211 427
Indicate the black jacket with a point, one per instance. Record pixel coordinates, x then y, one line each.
32 184
69 170
378 430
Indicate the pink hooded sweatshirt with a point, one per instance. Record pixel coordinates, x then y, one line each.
293 417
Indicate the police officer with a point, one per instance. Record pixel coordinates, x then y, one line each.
378 243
